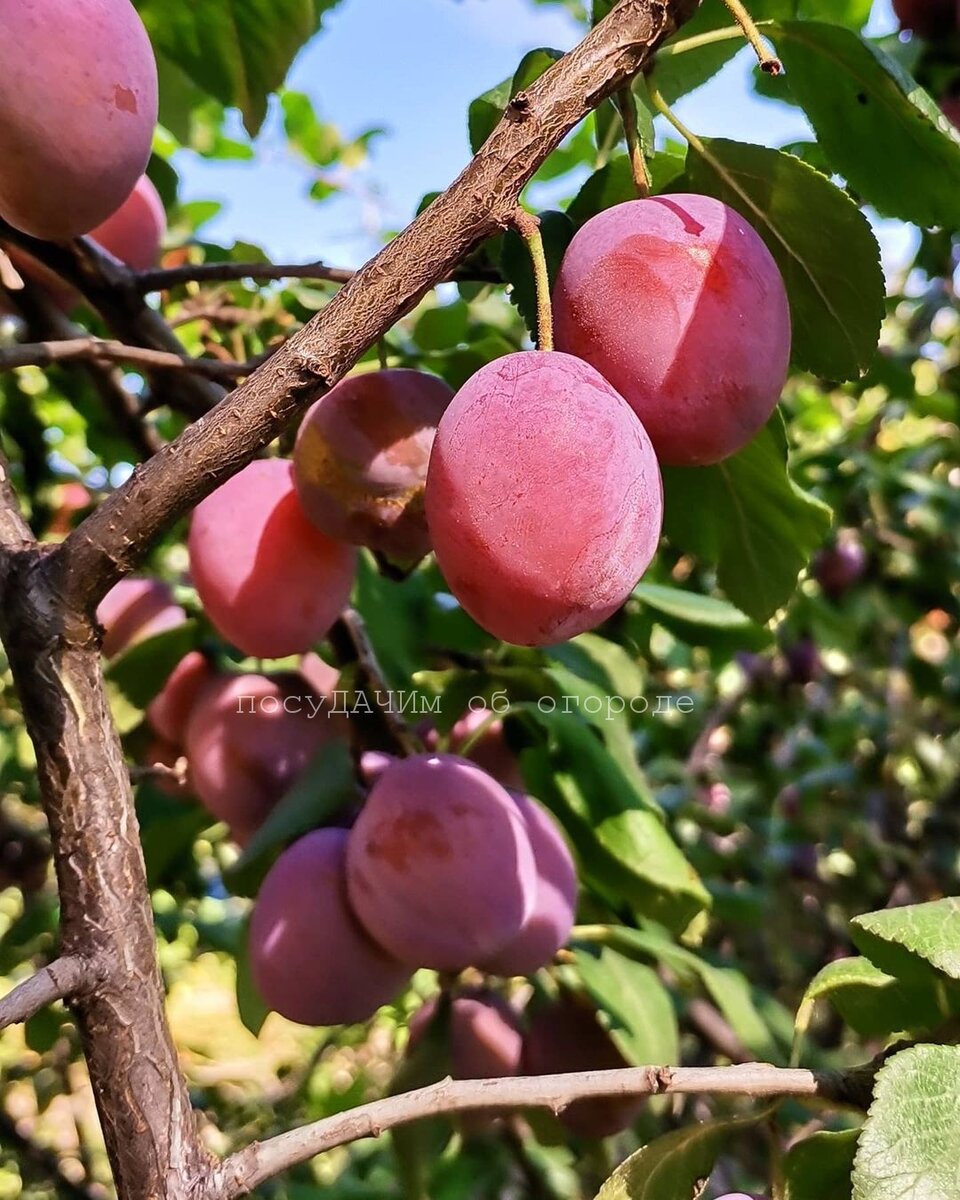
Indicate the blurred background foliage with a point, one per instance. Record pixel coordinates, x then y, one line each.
799 748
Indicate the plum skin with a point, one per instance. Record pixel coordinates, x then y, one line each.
170 710
548 927
677 301
311 960
484 1032
567 1037
544 498
135 609
360 461
269 581
440 870
245 747
79 111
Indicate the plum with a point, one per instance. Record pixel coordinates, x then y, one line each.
360 461
135 609
548 926
567 1037
169 712
928 18
269 581
311 960
439 868
78 94
841 566
247 740
677 301
543 498
484 1032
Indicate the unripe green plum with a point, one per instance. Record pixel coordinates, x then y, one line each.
247 740
360 461
311 960
543 498
439 867
78 97
548 927
134 610
269 581
484 1032
677 301
567 1037
928 18
169 712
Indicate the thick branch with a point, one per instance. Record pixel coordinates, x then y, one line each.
61 980
251 1167
483 199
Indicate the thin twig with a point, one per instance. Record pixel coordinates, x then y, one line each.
627 107
46 354
61 980
768 62
164 278
249 1168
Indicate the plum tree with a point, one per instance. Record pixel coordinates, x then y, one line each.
135 609
311 960
543 498
548 926
169 712
439 867
677 301
269 581
360 461
566 1036
484 1034
841 566
247 742
78 94
928 18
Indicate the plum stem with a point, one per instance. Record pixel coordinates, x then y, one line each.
665 110
627 105
528 226
768 62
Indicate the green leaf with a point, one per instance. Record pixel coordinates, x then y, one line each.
485 112
626 851
898 940
443 327
238 51
253 1011
910 1144
325 786
688 606
634 1006
878 127
613 184
675 1166
875 1003
140 672
819 1167
748 517
557 232
822 243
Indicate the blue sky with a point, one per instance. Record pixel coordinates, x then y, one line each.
412 67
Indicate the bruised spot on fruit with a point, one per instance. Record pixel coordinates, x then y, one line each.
408 836
125 99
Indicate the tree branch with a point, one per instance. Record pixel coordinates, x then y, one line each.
254 1165
482 200
164 278
61 980
94 349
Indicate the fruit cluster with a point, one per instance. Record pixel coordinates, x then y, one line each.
99 92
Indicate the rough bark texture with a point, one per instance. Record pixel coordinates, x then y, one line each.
47 595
